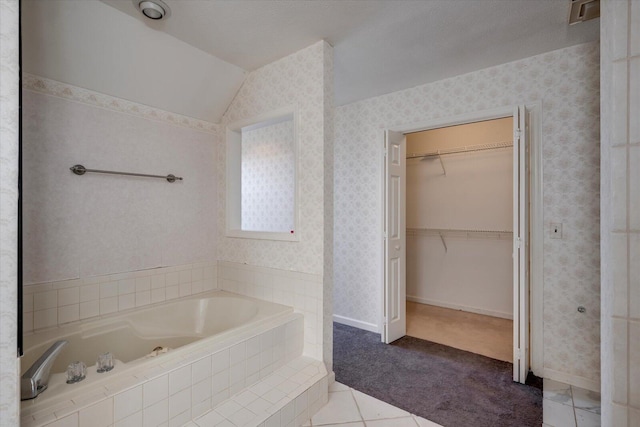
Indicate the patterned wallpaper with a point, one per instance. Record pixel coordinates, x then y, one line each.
9 89
268 173
297 79
97 99
78 227
566 82
304 79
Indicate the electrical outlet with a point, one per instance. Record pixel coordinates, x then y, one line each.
556 230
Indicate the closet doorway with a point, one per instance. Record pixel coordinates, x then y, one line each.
456 236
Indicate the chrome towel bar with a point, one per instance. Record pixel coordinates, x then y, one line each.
81 170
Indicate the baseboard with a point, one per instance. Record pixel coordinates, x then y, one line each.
574 380
356 323
331 378
460 307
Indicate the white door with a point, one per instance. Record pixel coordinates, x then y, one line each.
520 247
395 295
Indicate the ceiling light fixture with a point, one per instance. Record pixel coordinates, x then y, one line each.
153 9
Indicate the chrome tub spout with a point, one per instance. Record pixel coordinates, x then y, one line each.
36 379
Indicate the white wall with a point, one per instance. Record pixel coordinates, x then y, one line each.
304 80
566 84
95 224
90 44
9 131
620 207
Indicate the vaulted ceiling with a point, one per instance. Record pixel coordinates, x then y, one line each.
194 62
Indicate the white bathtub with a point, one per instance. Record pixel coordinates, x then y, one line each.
130 336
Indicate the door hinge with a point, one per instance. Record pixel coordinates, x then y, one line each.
518 354
518 242
516 134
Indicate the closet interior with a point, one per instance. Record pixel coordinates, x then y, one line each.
459 216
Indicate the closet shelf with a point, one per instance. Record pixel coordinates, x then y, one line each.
465 149
452 232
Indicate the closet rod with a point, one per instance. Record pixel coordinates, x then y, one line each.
465 149
459 232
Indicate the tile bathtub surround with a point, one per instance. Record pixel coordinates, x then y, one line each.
56 303
288 397
565 405
298 290
174 389
620 211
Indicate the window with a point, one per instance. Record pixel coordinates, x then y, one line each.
261 177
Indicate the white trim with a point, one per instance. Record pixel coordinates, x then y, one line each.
355 323
536 227
233 139
573 380
460 307
536 321
495 113
381 224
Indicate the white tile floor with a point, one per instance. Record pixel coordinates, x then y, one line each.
350 408
564 405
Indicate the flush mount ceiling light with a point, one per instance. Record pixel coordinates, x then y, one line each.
153 9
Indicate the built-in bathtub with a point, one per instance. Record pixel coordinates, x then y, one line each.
133 335
196 329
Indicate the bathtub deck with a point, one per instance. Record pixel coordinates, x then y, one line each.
183 385
288 397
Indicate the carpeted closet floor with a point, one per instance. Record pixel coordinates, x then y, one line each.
451 387
477 333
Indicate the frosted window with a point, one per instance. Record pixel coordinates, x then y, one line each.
267 178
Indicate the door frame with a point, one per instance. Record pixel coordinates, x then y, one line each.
536 224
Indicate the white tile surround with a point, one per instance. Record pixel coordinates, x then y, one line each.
620 212
176 388
565 405
287 398
50 304
301 291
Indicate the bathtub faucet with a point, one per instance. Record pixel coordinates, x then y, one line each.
36 379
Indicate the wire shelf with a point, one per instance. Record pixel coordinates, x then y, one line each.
464 149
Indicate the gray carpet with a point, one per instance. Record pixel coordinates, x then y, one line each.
451 387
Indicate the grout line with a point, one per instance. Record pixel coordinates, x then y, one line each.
628 206
573 406
357 406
